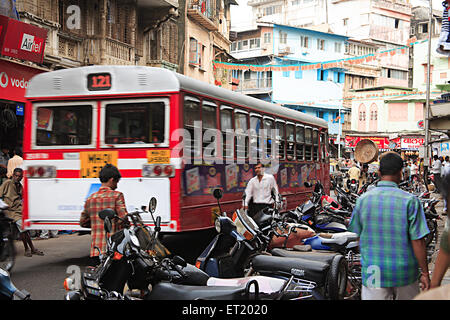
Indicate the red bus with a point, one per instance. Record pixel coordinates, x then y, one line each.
76 120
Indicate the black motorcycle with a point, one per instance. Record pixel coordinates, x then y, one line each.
7 248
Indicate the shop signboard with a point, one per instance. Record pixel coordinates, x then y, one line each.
22 40
14 80
381 142
412 143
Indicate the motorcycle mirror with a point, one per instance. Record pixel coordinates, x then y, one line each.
106 213
218 193
317 188
179 261
307 184
152 205
107 225
158 223
143 208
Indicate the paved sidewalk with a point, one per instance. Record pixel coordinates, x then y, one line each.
441 224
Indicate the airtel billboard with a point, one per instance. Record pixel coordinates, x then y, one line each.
22 40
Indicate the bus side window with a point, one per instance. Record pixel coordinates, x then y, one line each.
316 145
308 144
241 126
268 128
290 147
209 121
191 112
255 127
322 147
280 139
300 140
226 124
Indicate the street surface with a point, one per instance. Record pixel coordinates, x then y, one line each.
43 276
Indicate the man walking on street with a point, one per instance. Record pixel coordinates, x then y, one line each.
259 189
391 226
105 198
11 193
436 171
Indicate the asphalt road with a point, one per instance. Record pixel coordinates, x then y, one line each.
43 276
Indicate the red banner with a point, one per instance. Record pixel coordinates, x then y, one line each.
22 40
14 79
381 142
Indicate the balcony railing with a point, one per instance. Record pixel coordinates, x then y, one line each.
255 85
393 6
203 12
119 51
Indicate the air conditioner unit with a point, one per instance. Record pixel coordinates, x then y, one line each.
284 50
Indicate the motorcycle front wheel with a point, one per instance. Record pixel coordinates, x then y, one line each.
337 278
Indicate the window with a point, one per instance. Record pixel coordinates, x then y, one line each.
315 145
320 44
64 125
241 127
193 51
290 144
323 148
280 137
283 37
255 43
208 122
286 74
233 46
135 122
300 141
226 124
255 127
304 41
322 75
320 114
308 144
268 127
299 74
191 112
267 37
423 28
337 47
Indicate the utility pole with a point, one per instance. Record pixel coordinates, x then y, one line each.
426 159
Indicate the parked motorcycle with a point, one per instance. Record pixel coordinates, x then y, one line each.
7 289
7 248
137 259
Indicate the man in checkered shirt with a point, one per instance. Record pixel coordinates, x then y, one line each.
105 198
391 226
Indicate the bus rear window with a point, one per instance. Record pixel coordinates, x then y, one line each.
64 125
135 123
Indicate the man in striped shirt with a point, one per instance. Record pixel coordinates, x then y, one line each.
391 226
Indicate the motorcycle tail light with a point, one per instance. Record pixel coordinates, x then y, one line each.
198 264
117 256
157 170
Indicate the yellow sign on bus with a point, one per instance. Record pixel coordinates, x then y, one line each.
93 161
158 156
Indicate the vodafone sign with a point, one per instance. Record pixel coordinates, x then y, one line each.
14 79
412 143
22 40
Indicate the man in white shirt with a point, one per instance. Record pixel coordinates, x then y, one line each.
259 189
436 171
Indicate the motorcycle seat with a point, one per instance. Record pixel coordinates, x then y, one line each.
171 291
339 238
300 268
325 257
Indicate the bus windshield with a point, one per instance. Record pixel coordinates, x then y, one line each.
141 122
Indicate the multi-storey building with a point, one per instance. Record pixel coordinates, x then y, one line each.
205 32
79 33
318 92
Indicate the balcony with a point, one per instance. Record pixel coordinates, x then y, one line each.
162 64
404 8
119 53
255 86
202 12
253 3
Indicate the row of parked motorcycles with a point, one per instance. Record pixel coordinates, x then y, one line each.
305 253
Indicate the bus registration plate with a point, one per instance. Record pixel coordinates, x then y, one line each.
158 156
93 161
